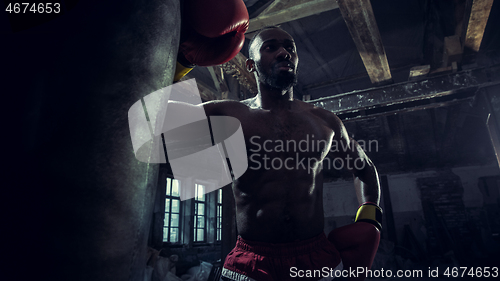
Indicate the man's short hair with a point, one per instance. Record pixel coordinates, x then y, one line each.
250 52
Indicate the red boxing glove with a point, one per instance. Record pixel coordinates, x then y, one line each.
357 244
212 32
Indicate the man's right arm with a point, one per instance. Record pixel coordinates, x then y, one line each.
214 108
185 120
223 108
211 108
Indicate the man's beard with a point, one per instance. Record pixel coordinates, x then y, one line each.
279 79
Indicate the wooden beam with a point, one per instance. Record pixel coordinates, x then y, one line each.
206 92
280 5
296 12
219 81
452 50
359 17
257 8
395 68
477 22
423 93
417 105
419 72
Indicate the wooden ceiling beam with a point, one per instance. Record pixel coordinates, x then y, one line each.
292 13
360 20
219 80
280 5
207 93
479 15
409 94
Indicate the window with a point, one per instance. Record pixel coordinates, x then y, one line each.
197 220
219 215
171 225
199 214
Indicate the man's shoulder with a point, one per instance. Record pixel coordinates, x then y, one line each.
225 107
252 103
328 116
321 112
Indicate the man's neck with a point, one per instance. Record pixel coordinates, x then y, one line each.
275 99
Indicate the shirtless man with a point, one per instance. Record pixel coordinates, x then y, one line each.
279 208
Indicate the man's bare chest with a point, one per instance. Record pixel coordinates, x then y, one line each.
285 134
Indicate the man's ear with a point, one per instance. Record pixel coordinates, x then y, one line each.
250 64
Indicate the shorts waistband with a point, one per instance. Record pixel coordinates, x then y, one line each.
301 247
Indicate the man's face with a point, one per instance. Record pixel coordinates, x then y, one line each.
275 59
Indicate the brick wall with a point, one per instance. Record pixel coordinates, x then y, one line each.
446 219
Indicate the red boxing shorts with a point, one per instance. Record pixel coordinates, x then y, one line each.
312 259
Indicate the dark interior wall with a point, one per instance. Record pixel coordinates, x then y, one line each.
452 135
436 212
437 162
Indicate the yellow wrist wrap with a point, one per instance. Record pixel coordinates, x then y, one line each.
371 213
180 71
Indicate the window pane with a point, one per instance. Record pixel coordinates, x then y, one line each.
173 235
201 222
219 199
175 206
200 236
200 192
175 220
172 210
175 188
165 234
201 209
169 180
219 234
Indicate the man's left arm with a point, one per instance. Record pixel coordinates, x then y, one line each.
366 181
358 242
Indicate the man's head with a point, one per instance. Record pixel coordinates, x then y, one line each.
273 58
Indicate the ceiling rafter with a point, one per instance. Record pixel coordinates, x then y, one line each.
478 19
359 17
291 13
280 5
376 99
219 80
206 92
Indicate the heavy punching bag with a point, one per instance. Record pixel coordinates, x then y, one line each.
81 202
